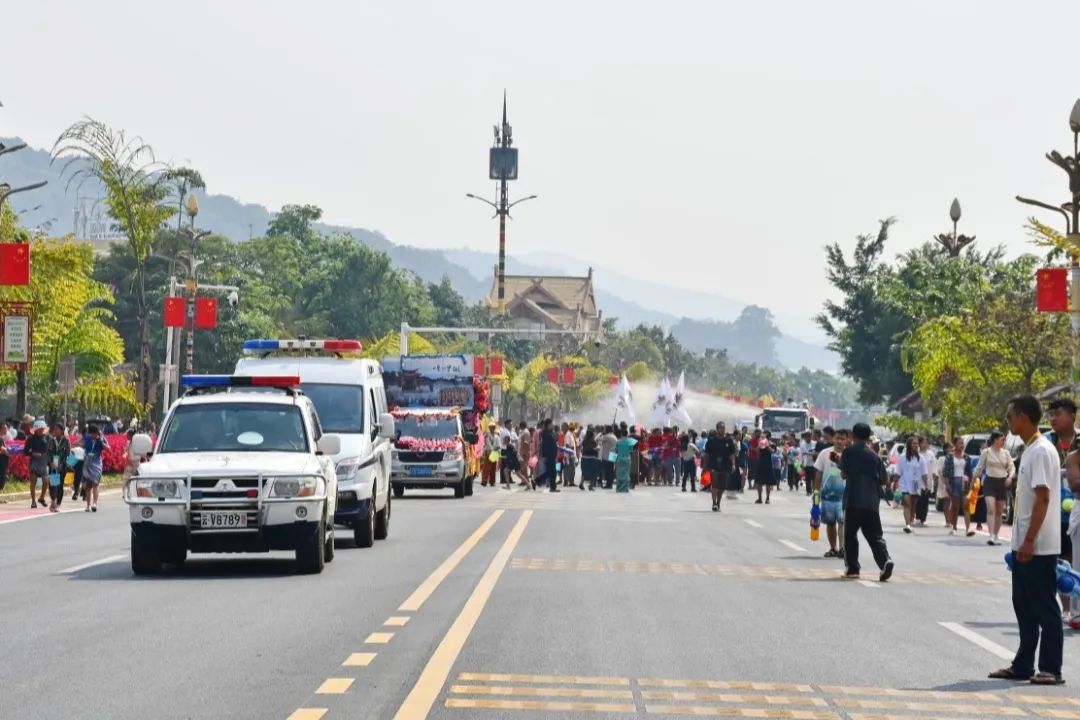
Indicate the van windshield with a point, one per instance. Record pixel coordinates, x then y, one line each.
340 407
427 428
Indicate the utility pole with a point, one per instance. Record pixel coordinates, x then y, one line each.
502 166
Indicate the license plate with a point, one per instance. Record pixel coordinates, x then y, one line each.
421 471
224 520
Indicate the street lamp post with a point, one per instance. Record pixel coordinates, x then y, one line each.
502 166
192 283
1071 212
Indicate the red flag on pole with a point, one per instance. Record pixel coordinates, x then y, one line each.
175 309
568 375
479 365
553 375
205 313
495 366
1052 289
14 264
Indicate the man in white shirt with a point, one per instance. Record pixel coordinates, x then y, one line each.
922 506
829 482
1036 544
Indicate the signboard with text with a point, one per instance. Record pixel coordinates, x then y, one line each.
429 380
15 337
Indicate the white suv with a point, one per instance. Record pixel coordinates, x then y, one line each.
241 466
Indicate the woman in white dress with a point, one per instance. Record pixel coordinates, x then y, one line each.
913 475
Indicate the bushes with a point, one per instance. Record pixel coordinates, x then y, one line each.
113 460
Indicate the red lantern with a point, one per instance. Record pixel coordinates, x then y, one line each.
568 375
1052 289
205 313
479 365
175 309
553 375
14 264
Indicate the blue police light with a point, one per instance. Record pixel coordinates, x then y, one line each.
257 345
205 380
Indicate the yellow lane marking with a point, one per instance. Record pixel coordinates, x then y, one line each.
927 707
936 694
875 716
359 660
396 621
725 685
1045 700
773 573
334 686
553 679
540 706
422 697
1064 714
379 638
308 714
733 698
542 692
422 593
741 712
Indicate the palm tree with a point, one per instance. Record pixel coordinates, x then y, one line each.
184 180
135 191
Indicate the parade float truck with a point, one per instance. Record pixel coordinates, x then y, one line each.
781 420
437 402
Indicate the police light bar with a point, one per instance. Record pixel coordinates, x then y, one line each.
324 345
196 381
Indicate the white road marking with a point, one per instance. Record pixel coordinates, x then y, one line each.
971 636
44 514
753 523
868 583
793 546
103 561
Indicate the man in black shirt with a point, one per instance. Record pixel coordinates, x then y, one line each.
549 452
866 478
721 451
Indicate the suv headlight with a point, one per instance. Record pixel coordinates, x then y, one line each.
295 487
161 488
452 455
347 469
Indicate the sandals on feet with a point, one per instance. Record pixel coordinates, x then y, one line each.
1042 678
1008 674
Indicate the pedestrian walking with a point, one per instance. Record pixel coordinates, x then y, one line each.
1066 440
608 456
508 461
590 460
568 449
922 506
5 455
37 448
1036 544
549 453
913 476
955 472
764 476
829 481
998 465
721 451
688 455
59 449
866 480
94 446
525 452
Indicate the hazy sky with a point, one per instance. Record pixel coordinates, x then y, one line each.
708 143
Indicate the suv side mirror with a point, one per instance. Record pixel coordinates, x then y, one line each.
141 445
329 444
387 426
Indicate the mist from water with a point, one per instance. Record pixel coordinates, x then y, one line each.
705 410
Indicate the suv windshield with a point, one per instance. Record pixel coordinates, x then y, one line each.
434 428
340 407
235 427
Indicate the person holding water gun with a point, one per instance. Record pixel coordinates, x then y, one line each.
829 481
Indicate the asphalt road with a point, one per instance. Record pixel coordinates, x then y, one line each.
516 605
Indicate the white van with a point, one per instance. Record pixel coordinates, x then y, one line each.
350 400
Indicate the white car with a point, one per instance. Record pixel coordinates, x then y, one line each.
240 466
350 399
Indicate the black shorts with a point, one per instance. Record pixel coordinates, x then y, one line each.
994 488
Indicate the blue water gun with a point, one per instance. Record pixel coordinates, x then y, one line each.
1068 580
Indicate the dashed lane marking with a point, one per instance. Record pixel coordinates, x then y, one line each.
973 637
308 714
359 660
335 686
726 685
844 690
539 705
720 711
1046 700
379 638
553 679
869 584
602 694
93 563
733 698
418 703
793 546
861 704
422 593
753 523
396 621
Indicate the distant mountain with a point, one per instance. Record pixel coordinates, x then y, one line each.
55 208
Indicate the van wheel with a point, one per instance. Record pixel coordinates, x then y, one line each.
328 552
459 489
468 487
382 520
311 555
399 490
144 558
364 528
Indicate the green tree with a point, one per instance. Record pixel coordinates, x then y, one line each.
448 303
135 190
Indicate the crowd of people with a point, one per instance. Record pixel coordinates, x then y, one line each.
62 454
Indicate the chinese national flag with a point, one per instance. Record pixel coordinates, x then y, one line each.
496 365
175 309
1052 289
568 375
553 375
14 264
205 313
479 365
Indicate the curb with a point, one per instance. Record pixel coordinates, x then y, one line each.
111 484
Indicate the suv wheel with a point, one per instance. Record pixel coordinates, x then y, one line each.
364 528
311 555
328 553
399 490
382 520
459 489
175 556
144 558
468 487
